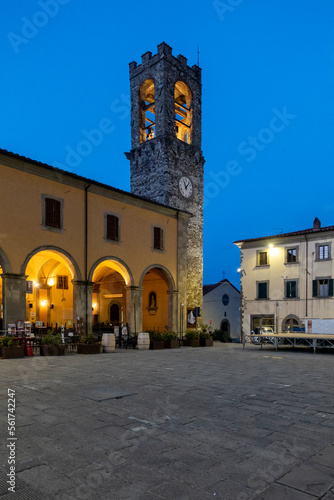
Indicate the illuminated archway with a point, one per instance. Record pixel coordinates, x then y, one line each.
110 278
183 112
49 298
157 284
147 111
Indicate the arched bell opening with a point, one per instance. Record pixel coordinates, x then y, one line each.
147 111
183 112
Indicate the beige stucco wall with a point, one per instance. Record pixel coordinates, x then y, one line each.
307 269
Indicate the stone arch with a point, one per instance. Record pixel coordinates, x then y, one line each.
110 278
54 275
161 315
167 274
290 321
4 262
66 255
120 266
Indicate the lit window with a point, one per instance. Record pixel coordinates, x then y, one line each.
262 258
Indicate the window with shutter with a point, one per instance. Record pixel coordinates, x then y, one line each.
52 213
291 289
62 282
157 238
112 227
262 259
262 290
323 287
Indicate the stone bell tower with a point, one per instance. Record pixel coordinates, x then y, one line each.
166 160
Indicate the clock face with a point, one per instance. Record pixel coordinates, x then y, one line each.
186 187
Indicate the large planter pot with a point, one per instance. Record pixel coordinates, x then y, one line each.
171 344
52 350
89 348
206 342
12 352
157 344
195 343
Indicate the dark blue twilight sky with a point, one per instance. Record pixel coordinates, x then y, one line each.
268 85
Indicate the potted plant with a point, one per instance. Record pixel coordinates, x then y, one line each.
10 348
51 345
192 337
89 344
205 339
170 340
156 340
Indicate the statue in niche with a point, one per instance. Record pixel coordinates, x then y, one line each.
152 300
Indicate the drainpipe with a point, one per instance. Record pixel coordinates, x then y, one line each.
86 255
307 273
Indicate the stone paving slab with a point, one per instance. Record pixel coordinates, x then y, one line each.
218 422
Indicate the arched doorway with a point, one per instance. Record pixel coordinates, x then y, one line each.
110 279
114 314
289 322
225 326
157 285
49 290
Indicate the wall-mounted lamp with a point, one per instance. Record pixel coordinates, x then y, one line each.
44 303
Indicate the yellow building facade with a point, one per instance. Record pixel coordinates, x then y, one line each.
73 250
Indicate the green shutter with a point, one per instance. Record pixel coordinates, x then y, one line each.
330 288
315 288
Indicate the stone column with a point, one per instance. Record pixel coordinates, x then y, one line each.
173 323
134 308
82 303
14 298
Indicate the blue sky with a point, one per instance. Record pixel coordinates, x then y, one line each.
267 117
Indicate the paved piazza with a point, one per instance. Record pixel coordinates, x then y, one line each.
181 424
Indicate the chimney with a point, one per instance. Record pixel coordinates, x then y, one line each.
316 224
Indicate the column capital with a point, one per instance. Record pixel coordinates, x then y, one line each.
82 283
14 276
